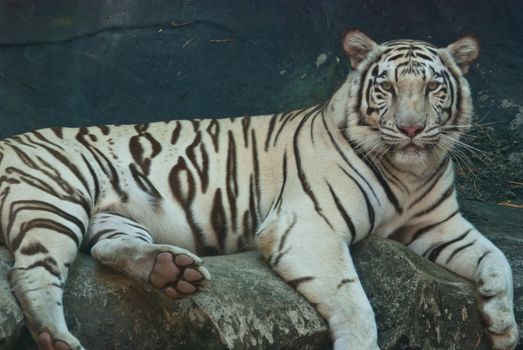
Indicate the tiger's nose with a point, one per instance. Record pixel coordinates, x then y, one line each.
411 130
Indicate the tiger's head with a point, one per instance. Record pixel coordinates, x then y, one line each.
408 100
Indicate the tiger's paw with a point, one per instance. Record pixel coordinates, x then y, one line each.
47 342
178 275
501 324
497 310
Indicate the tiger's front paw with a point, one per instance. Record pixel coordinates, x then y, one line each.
500 322
497 308
46 341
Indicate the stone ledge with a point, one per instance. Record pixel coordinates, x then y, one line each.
418 305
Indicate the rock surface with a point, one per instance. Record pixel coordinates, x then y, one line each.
11 318
417 304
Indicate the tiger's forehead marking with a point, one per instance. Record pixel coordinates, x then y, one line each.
409 57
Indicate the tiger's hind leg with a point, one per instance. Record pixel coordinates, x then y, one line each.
44 240
128 247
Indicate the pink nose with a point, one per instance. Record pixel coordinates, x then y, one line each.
411 130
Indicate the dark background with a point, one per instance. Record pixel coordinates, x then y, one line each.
100 62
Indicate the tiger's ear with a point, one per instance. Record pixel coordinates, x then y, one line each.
464 51
357 46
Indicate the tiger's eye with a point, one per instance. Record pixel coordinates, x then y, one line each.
387 86
433 85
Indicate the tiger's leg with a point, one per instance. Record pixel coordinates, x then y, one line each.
128 247
44 239
456 245
314 260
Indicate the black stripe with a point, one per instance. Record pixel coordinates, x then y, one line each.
256 170
203 168
437 175
458 92
33 249
423 56
481 258
107 168
453 98
437 250
312 129
295 283
231 178
176 133
219 219
49 264
459 250
269 131
343 213
42 224
283 240
301 174
72 167
357 106
370 208
435 205
176 183
345 281
342 155
278 257
43 138
393 178
95 179
388 191
33 205
143 183
58 132
285 117
246 121
214 131
425 229
95 238
279 199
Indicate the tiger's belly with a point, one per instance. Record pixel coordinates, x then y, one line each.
207 223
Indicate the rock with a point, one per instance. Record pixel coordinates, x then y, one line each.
247 306
321 59
516 157
11 317
417 304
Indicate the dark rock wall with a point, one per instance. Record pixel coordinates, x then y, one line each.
99 61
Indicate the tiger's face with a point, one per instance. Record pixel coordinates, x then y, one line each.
408 100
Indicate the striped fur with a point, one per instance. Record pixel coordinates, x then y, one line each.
299 186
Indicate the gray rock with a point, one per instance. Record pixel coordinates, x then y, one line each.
11 318
417 304
516 157
248 307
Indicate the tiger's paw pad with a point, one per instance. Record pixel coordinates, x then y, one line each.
45 342
178 275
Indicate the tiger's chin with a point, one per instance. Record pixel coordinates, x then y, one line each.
412 156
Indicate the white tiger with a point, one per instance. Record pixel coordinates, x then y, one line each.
299 186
